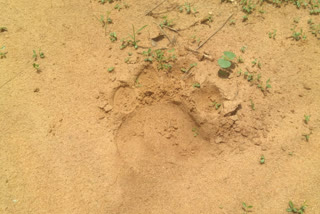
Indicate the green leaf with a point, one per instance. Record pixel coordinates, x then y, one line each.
250 206
229 54
142 28
224 63
244 204
291 204
289 210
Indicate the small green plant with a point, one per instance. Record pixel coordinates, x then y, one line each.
184 70
245 18
226 60
110 69
134 42
268 85
164 60
293 209
113 36
137 83
118 7
3 54
166 22
187 7
243 49
196 85
195 132
252 105
248 76
296 35
149 55
105 20
261 10
3 29
246 208
232 22
240 59
36 66
216 105
307 136
307 118
35 55
262 160
272 35
248 6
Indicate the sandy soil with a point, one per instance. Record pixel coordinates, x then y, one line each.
76 138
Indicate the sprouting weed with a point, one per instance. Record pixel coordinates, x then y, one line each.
196 85
3 54
113 36
293 209
184 70
307 118
110 69
195 132
252 105
243 49
216 105
272 35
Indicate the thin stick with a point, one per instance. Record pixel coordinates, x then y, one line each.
155 7
164 33
214 32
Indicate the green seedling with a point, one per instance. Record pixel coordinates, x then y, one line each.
246 208
111 69
307 136
290 153
296 20
196 85
184 70
216 105
307 118
137 83
195 132
163 61
35 55
298 35
226 60
245 18
36 66
272 35
248 6
105 20
248 76
113 36
166 22
118 7
3 54
252 105
232 22
134 42
239 73
261 10
149 55
3 29
293 209
240 59
268 85
243 49
187 7
262 160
